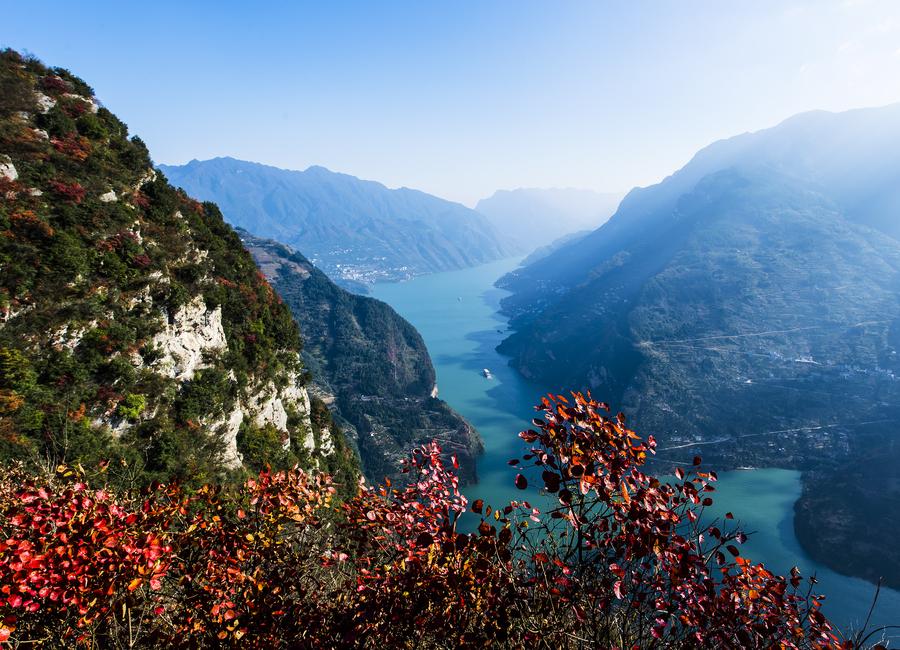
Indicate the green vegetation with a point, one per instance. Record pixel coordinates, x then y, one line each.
98 253
371 360
132 406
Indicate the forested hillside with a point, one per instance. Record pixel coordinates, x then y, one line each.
369 363
742 294
134 324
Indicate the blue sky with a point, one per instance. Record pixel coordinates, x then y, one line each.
463 98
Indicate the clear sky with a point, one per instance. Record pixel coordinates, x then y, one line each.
462 98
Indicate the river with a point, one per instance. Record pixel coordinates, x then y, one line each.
457 314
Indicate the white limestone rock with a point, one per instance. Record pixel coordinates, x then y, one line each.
109 197
269 407
69 336
148 177
7 169
193 331
44 102
228 427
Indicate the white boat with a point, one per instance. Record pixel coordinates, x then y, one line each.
486 373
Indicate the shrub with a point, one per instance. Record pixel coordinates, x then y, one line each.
132 406
622 560
263 447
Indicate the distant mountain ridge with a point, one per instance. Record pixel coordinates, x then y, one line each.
533 218
357 231
739 205
813 147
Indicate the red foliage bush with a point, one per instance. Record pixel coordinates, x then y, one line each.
55 85
628 546
28 223
623 559
74 554
69 191
142 260
73 145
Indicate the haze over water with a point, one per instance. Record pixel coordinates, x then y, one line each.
457 314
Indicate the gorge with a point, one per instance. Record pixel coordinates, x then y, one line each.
462 336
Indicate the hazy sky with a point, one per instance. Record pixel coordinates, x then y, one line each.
462 98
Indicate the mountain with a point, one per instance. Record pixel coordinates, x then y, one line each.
356 231
746 308
368 363
842 168
813 147
532 218
133 324
552 247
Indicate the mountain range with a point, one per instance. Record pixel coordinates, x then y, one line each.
532 218
357 231
747 307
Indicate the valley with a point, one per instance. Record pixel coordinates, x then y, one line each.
357 231
338 326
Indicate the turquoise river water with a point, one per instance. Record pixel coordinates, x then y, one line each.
457 315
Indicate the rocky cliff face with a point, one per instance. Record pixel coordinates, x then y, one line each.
368 364
133 324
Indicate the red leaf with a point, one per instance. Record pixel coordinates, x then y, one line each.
486 530
478 506
521 482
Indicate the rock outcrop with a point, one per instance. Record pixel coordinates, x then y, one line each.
193 332
369 365
134 324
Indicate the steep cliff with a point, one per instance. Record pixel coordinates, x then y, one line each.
133 324
369 364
